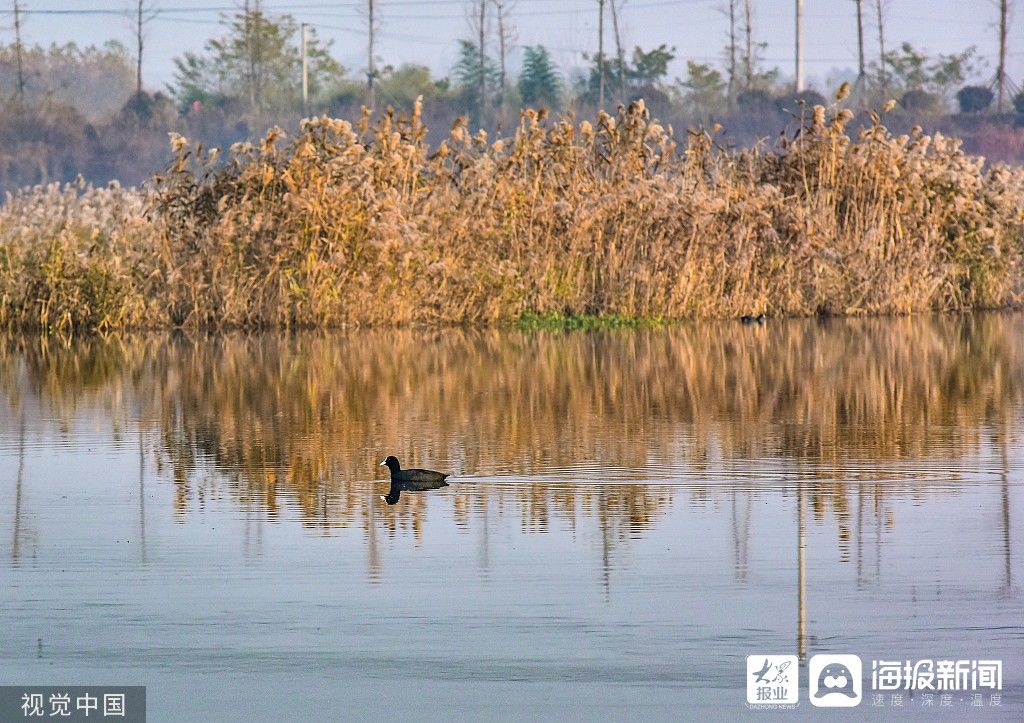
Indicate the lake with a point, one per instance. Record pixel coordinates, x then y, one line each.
631 514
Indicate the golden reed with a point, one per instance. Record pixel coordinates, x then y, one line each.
365 224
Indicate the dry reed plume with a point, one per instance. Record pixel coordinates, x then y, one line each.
346 224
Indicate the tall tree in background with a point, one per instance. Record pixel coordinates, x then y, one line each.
600 53
258 58
644 74
926 82
539 83
252 31
860 45
144 11
1001 67
883 78
478 25
506 36
475 75
748 50
620 51
371 63
650 67
732 10
95 81
19 50
749 76
704 89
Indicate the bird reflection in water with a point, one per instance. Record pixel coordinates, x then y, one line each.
410 480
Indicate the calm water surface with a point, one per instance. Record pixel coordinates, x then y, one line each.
201 516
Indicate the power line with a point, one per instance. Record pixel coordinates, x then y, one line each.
334 7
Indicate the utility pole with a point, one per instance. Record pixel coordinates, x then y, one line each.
18 51
371 72
305 70
861 73
799 45
1001 69
600 54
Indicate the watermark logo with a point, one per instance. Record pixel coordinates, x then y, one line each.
937 675
773 680
835 681
937 683
73 704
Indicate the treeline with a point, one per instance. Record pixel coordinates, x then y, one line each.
72 111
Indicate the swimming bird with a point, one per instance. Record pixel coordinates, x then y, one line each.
410 480
750 319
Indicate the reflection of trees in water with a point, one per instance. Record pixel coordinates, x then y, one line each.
308 417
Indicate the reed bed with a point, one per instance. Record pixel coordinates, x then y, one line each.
364 224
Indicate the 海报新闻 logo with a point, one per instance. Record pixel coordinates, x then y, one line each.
834 681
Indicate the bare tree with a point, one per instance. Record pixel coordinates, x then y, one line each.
1001 68
600 54
18 51
799 81
732 10
371 62
883 75
143 12
247 20
620 51
253 28
477 17
748 50
483 54
304 51
506 36
861 73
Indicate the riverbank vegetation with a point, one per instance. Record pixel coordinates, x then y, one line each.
367 224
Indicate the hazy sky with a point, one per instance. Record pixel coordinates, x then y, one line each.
425 32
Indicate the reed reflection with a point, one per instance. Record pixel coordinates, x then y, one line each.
266 421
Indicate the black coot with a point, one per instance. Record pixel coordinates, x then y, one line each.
410 480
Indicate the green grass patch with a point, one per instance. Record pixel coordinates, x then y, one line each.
532 321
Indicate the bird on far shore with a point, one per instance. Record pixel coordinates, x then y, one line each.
410 480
